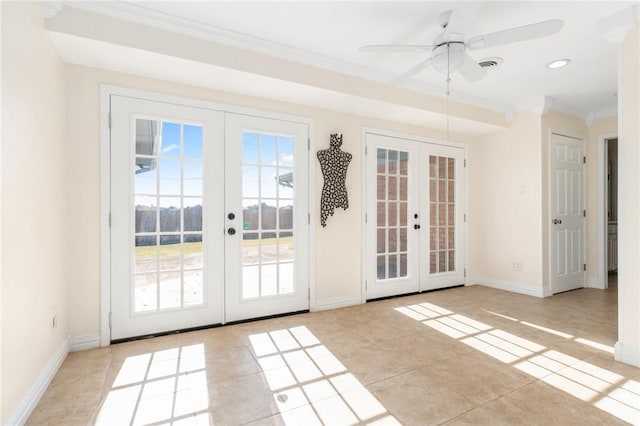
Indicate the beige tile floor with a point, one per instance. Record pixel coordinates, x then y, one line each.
470 355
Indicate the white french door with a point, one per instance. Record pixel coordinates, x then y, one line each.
203 224
567 213
415 230
267 225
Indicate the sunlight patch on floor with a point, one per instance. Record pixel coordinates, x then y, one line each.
606 390
310 385
168 386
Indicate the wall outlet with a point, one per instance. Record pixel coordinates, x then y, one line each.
517 266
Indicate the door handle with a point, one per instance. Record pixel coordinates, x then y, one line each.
557 221
416 226
231 231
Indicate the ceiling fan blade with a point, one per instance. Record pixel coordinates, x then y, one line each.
513 35
411 72
471 70
395 48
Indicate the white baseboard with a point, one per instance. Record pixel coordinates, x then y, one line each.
512 287
627 354
30 400
594 283
337 302
85 342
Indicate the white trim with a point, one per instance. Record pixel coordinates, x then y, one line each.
601 210
85 342
364 218
594 283
35 392
105 207
311 262
512 287
412 137
627 354
337 302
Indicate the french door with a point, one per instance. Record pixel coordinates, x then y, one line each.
203 224
415 216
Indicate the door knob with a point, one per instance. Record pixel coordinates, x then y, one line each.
557 221
231 216
231 231
416 226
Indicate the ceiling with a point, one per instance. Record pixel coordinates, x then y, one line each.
327 35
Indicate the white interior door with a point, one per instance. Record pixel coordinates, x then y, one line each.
415 216
267 217
166 265
567 213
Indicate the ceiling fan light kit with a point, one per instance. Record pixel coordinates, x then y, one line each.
449 49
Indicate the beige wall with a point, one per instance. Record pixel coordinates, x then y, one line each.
338 246
504 205
628 346
34 202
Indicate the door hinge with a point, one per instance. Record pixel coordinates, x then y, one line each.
366 150
109 219
465 217
584 266
465 162
309 144
309 293
109 120
109 319
465 272
584 213
309 218
366 285
584 160
366 218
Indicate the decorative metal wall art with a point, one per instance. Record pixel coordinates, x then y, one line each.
333 163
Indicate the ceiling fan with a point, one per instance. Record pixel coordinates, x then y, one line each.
448 51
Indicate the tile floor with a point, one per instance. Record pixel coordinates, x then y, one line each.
470 355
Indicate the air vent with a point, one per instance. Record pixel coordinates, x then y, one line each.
490 63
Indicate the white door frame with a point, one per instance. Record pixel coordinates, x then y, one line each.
601 211
105 188
363 172
549 211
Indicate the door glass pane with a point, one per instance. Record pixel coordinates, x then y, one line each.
392 215
442 214
168 190
268 177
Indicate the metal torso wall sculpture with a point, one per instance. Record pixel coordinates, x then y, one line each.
334 163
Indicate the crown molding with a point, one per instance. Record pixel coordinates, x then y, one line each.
614 28
51 8
137 13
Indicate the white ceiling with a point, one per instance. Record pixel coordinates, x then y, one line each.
328 34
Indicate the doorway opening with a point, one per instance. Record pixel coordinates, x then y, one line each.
611 202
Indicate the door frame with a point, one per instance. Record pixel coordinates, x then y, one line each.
363 173
549 214
106 90
601 213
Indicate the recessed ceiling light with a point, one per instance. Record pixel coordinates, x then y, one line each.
558 63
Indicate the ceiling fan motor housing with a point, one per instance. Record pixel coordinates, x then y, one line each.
448 56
